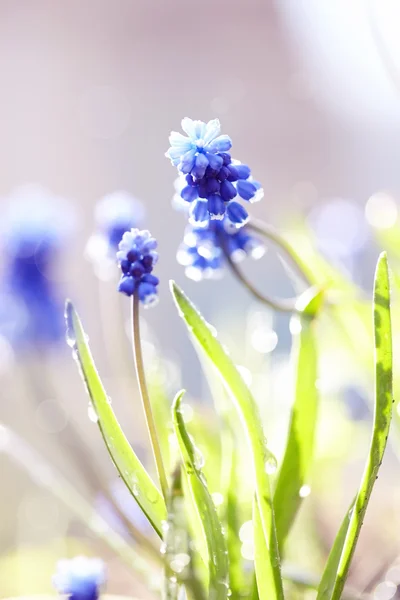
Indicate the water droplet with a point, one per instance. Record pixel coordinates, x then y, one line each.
271 465
225 584
152 495
212 329
109 400
199 461
92 413
135 489
70 338
246 374
165 526
179 562
218 498
304 491
163 548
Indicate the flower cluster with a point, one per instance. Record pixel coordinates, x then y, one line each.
137 256
212 179
80 578
33 232
203 249
115 214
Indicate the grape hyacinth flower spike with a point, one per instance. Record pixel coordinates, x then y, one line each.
137 256
203 251
33 233
212 179
80 578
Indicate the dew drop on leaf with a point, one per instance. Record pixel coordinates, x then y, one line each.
179 562
304 491
218 498
271 465
92 413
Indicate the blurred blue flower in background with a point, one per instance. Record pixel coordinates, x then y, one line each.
203 249
33 231
115 214
80 578
211 178
137 256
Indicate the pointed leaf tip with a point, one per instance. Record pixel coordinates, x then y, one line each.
311 301
68 310
248 412
131 470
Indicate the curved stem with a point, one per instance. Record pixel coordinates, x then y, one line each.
287 306
272 234
137 349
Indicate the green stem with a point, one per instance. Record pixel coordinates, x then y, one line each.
137 349
274 236
288 306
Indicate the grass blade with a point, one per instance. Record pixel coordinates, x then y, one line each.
299 450
129 466
334 580
328 578
178 557
217 551
261 584
233 521
251 422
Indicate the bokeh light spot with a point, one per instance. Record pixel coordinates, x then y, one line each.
381 211
385 590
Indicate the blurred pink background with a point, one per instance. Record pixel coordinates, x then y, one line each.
309 91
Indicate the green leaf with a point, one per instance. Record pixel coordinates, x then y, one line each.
334 580
299 450
179 564
129 466
260 552
233 521
217 551
248 411
329 575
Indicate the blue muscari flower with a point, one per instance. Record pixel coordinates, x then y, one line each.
114 214
137 256
34 231
212 180
80 578
202 251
